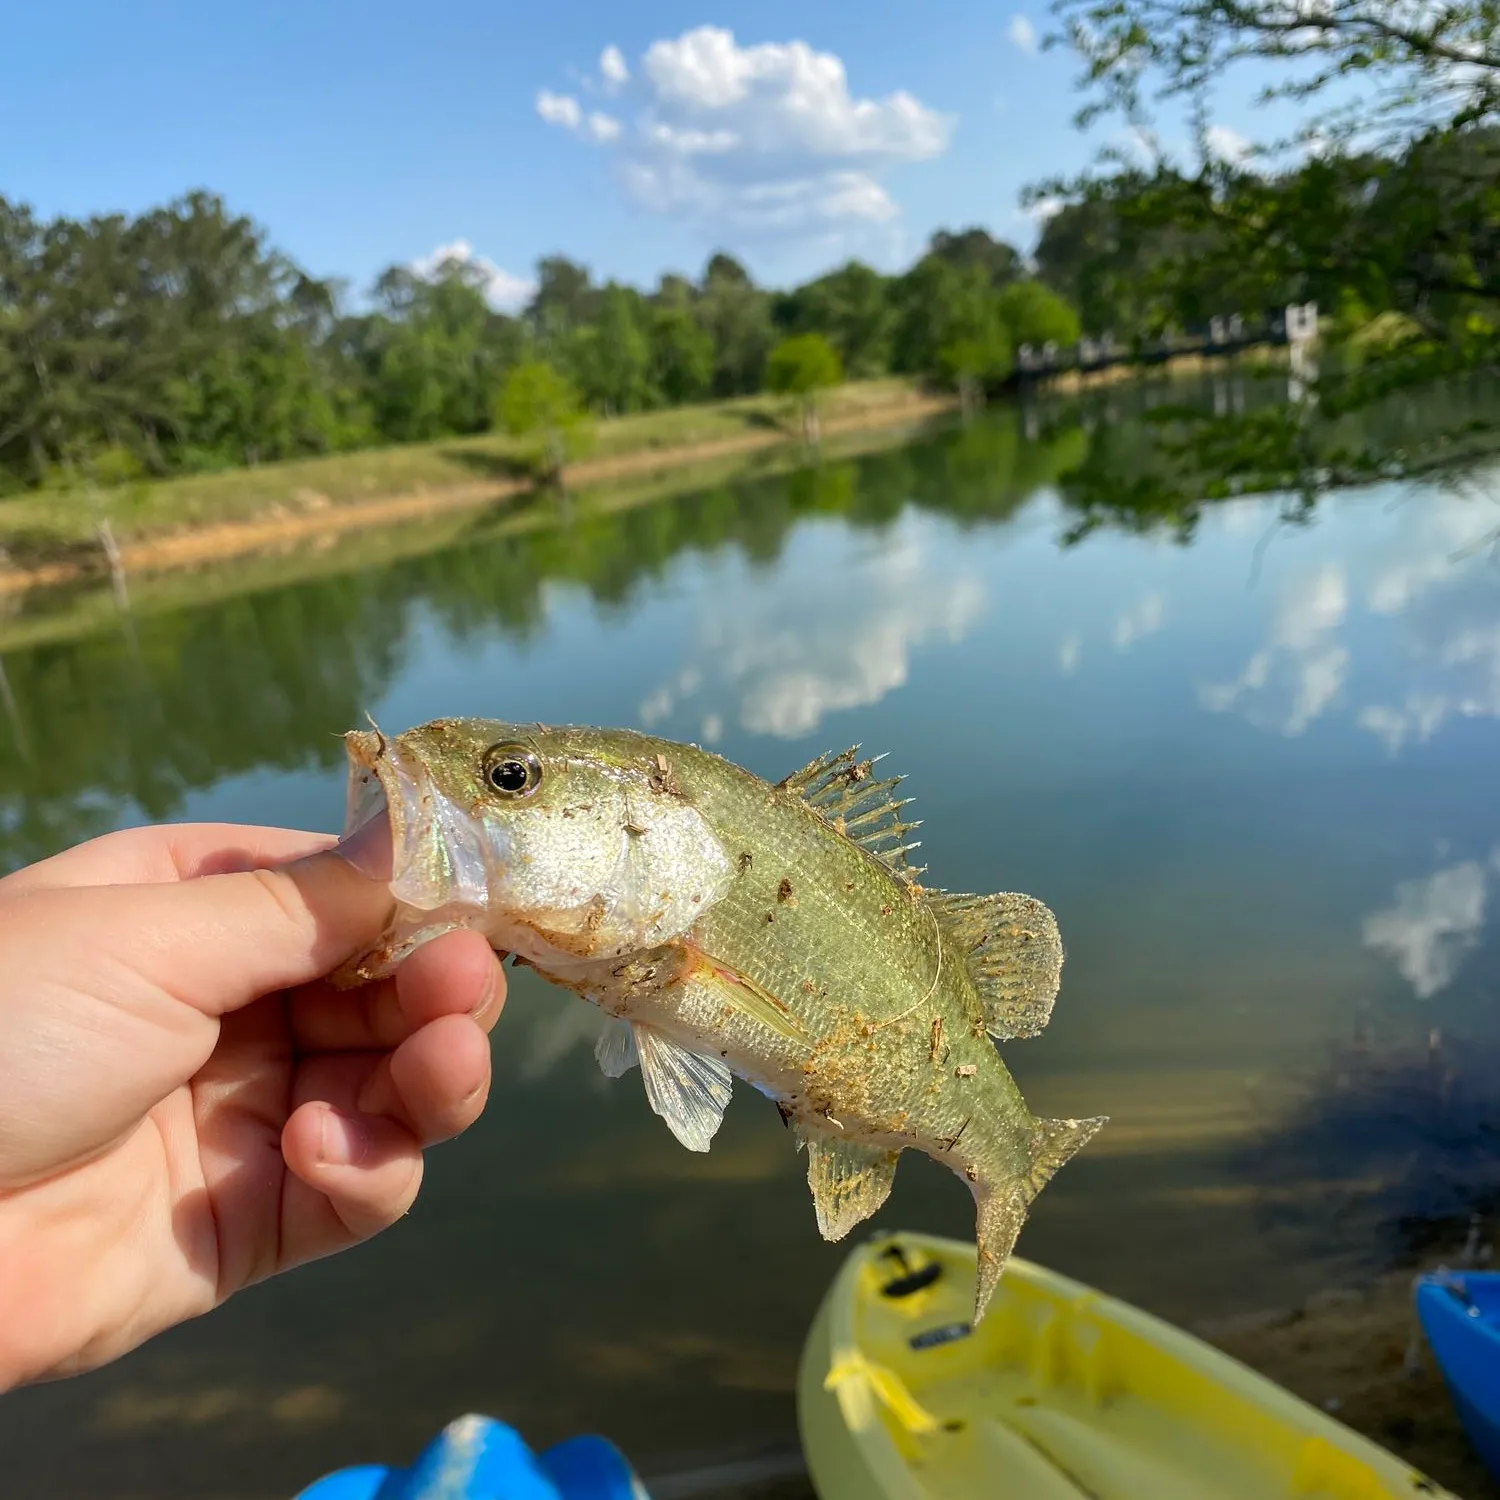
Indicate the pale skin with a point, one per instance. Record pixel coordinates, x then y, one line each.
186 1105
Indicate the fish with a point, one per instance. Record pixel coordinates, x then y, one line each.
729 927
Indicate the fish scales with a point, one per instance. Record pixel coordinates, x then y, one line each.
734 928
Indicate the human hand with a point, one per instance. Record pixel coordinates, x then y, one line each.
186 1105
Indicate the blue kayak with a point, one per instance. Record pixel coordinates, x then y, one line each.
477 1458
1460 1314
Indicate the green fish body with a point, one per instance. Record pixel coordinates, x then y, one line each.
731 927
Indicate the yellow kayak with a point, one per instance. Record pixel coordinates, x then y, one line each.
1061 1394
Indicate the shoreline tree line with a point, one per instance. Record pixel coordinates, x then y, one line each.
181 341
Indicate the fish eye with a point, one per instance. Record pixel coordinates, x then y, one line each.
512 770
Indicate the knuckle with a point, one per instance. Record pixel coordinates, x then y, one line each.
281 891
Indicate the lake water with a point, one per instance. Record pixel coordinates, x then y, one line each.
1253 774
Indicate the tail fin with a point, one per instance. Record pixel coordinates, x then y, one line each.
1003 1204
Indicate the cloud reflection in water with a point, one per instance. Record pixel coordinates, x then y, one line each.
841 636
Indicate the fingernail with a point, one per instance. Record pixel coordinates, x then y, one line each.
368 849
342 1140
487 996
366 842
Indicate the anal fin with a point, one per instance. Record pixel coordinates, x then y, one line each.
848 1181
1011 946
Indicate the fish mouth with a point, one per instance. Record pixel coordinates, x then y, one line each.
400 830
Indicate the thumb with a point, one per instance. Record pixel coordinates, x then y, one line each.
111 995
217 942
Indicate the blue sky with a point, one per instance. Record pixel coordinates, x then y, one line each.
365 135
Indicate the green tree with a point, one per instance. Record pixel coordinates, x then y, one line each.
435 353
737 317
1034 314
977 249
540 405
852 309
1386 189
803 367
616 375
682 353
951 328
565 300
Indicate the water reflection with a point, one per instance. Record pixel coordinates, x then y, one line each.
1227 766
1403 1139
1434 923
130 731
1145 617
565 1028
836 634
1398 630
1298 674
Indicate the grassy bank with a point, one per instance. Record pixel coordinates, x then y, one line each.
52 527
85 603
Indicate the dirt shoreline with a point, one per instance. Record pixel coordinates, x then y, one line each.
227 539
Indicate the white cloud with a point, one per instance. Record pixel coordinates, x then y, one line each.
602 127
564 111
766 136
1319 679
1070 653
612 67
1227 144
1044 209
1023 34
558 109
1432 925
502 289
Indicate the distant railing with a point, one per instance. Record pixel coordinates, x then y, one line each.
1293 326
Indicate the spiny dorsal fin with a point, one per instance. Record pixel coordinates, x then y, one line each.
839 787
848 1181
1014 955
1054 1142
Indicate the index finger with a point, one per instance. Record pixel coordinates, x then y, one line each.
167 852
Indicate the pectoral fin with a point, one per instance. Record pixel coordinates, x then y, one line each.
848 1181
688 1090
732 988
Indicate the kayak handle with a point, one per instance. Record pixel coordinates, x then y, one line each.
913 1281
909 1281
